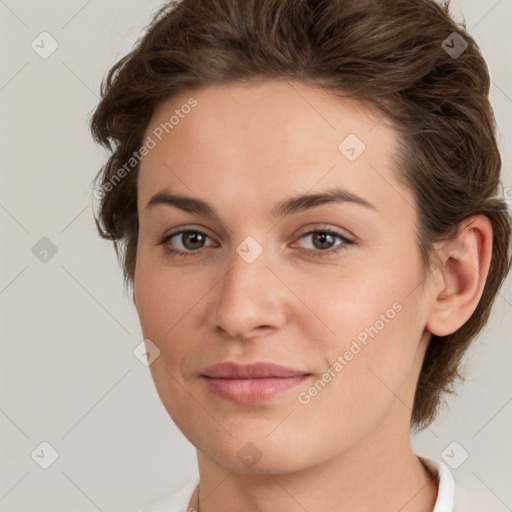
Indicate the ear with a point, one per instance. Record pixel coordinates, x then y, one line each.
460 278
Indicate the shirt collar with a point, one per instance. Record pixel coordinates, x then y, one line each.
446 492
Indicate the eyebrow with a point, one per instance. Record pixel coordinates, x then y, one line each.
289 206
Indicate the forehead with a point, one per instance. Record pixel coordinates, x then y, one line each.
266 138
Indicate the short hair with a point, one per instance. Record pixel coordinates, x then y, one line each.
409 60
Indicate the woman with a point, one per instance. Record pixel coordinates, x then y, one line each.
304 197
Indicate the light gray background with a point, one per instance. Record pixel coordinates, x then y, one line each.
68 373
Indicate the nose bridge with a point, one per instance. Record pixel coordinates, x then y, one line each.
246 268
248 294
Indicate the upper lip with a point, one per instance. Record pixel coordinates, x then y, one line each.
258 370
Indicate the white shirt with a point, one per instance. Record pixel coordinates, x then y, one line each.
178 502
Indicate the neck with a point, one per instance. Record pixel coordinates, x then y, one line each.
379 473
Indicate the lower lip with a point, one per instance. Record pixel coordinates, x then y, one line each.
249 391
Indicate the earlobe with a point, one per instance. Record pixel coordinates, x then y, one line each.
461 276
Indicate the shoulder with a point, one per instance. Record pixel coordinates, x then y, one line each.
176 502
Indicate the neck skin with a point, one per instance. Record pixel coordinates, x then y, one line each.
385 476
380 472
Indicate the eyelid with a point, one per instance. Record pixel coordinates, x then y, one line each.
343 233
183 229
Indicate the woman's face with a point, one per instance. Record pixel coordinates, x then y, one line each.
330 288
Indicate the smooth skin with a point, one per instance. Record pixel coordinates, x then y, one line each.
242 150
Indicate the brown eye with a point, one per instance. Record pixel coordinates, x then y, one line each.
192 239
185 242
323 241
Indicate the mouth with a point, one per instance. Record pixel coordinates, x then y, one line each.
251 383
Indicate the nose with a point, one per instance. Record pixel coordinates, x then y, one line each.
249 298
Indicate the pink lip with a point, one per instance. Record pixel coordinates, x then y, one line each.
251 383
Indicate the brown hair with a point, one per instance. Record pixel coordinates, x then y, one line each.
395 55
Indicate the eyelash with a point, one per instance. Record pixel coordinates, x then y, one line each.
317 253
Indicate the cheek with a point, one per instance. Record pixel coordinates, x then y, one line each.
367 324
162 305
163 296
367 363
165 303
170 303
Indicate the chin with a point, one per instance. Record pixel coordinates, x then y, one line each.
254 453
251 461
